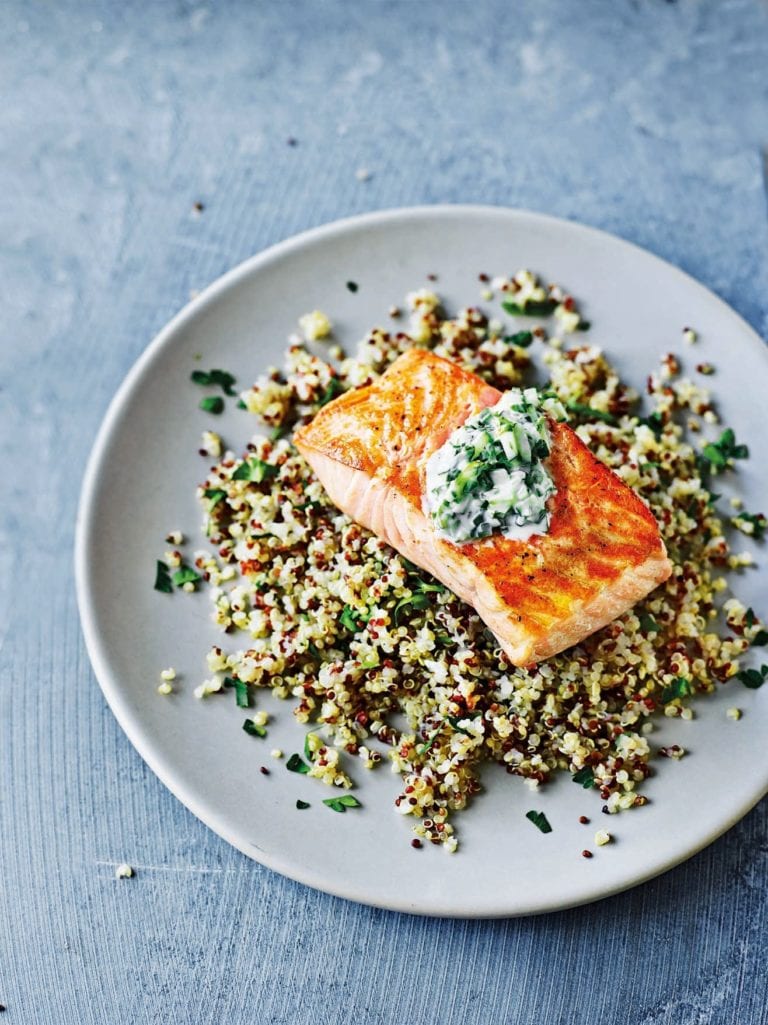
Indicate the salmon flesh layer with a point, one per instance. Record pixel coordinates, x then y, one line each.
602 553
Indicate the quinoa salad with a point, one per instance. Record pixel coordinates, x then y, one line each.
383 665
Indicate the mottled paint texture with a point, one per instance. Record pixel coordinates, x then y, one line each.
646 118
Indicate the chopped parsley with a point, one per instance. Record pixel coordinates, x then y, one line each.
242 694
414 603
585 778
721 452
209 378
212 404
752 524
186 575
301 805
163 578
352 286
655 421
753 678
521 338
214 496
353 619
539 819
648 624
253 730
580 409
297 764
255 470
679 688
342 803
530 308
332 390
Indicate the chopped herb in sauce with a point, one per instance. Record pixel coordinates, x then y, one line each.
489 476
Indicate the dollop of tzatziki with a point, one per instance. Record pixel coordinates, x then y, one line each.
490 475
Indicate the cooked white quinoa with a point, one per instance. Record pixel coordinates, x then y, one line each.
320 611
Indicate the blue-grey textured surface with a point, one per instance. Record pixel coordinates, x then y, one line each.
647 118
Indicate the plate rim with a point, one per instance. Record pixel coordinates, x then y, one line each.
110 685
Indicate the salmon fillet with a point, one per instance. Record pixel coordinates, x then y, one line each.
602 553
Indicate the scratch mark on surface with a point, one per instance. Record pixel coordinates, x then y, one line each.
179 869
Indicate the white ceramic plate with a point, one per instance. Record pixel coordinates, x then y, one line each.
140 484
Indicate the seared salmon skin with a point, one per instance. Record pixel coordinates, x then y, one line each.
602 551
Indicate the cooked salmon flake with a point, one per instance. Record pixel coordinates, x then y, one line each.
324 613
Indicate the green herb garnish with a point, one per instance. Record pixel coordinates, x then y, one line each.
585 778
583 325
163 578
521 338
648 624
760 639
753 678
186 575
253 730
342 803
415 603
679 688
758 521
349 619
539 819
212 404
655 421
719 453
242 694
301 805
531 308
422 750
297 764
208 378
580 409
255 470
214 496
352 286
333 388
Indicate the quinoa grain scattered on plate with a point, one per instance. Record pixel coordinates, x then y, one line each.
388 665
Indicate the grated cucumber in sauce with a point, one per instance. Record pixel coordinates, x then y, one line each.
489 477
